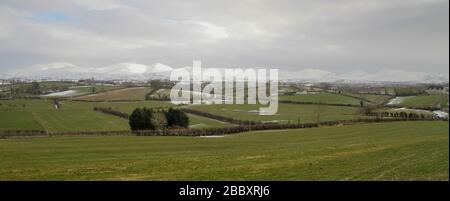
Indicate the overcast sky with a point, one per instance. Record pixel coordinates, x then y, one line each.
338 36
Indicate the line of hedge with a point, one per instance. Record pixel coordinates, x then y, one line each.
242 128
112 112
99 101
22 133
415 108
157 99
357 97
219 118
405 115
200 131
243 125
41 133
315 103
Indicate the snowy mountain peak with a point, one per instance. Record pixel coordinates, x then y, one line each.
136 71
55 65
159 67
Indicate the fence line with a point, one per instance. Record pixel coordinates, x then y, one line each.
242 126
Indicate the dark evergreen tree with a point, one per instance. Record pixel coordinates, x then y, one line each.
176 117
141 119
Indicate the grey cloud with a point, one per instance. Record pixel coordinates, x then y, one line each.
338 36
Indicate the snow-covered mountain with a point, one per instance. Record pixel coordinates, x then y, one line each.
384 75
62 70
308 75
135 71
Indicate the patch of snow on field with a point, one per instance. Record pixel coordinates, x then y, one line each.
212 136
397 100
411 110
274 121
441 114
63 93
76 87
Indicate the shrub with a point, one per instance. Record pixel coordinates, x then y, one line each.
176 118
142 119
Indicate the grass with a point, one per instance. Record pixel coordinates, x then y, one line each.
21 120
202 122
128 107
320 97
425 101
40 115
374 98
78 116
384 151
127 94
286 112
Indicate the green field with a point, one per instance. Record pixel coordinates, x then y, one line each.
425 101
128 107
321 97
203 122
40 115
286 112
17 119
385 151
374 98
78 116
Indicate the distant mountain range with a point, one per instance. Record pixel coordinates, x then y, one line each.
134 71
384 75
123 71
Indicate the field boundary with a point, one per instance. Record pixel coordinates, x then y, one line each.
314 103
355 97
219 117
112 112
201 131
242 125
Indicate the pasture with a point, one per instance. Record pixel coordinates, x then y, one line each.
425 101
74 116
374 98
203 122
41 115
287 113
322 97
379 151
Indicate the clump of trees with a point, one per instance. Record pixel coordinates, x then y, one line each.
141 119
148 119
176 118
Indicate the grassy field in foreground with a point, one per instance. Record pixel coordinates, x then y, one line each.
385 151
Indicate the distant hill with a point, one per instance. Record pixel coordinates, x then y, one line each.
135 71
